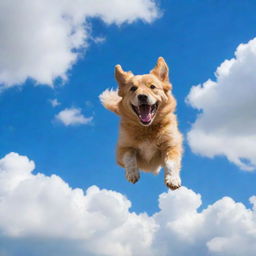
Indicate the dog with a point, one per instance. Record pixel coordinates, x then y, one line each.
149 137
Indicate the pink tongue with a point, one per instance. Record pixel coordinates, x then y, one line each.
145 114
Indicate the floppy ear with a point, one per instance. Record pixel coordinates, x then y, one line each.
161 71
121 76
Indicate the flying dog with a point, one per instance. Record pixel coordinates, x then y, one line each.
149 137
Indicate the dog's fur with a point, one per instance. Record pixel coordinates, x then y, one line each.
151 140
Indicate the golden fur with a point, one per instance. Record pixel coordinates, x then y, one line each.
150 146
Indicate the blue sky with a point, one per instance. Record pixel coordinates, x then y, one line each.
194 37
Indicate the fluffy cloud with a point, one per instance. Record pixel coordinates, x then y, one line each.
36 206
72 116
43 215
42 39
227 119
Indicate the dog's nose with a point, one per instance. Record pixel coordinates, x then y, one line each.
142 98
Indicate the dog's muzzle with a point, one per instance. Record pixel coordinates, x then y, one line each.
145 112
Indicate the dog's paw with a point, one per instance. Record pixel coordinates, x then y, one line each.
133 176
172 181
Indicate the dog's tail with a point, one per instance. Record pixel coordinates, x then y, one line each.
110 100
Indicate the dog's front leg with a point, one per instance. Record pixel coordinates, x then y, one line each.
172 166
130 164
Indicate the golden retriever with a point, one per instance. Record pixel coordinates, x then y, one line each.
149 137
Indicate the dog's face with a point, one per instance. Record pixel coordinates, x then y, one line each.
144 95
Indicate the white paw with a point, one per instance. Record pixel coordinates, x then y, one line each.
132 176
173 181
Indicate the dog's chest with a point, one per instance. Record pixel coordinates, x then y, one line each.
147 150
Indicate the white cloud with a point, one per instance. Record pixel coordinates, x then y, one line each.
42 39
43 215
227 120
97 222
72 116
54 102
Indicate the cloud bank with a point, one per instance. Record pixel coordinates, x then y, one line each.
42 39
42 215
227 119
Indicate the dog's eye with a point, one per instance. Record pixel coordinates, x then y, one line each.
133 88
152 86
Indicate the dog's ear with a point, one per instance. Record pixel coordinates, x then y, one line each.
121 76
161 71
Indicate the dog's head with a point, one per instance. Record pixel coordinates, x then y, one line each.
143 96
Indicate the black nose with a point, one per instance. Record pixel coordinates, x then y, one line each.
142 97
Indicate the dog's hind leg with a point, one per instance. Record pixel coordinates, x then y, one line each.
130 163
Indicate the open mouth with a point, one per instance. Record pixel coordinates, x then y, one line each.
145 112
